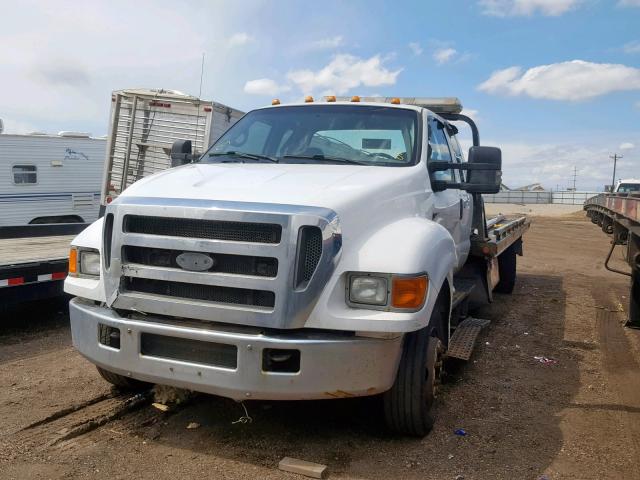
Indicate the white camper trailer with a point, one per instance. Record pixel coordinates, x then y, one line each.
50 178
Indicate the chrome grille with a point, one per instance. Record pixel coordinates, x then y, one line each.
271 262
309 253
192 291
207 229
223 263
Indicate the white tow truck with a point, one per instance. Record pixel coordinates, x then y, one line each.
318 250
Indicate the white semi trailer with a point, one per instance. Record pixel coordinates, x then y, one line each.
317 250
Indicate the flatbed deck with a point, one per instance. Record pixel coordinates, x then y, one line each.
15 251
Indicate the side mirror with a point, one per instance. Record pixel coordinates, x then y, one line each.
484 167
487 176
181 153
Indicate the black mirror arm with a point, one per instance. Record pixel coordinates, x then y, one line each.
442 166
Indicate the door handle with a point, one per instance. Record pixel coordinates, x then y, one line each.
461 208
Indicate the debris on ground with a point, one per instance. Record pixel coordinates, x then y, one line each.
308 469
545 360
193 426
160 406
167 395
461 432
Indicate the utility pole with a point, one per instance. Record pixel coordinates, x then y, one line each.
575 174
615 158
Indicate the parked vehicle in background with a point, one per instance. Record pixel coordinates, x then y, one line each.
143 125
50 178
628 185
315 251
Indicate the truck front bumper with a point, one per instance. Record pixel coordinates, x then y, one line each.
331 365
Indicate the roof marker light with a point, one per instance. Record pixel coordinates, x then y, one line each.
330 98
395 101
308 99
355 98
275 101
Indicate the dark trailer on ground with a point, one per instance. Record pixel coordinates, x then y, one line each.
34 261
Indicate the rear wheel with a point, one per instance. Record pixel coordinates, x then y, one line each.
408 406
122 382
507 267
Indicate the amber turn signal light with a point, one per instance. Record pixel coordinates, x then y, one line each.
409 292
73 261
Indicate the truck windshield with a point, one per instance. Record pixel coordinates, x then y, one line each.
338 134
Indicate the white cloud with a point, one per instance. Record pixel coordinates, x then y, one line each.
343 73
444 55
264 86
632 47
627 146
239 39
327 43
571 81
552 164
415 48
507 8
629 3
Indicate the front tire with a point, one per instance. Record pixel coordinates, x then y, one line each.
123 383
408 406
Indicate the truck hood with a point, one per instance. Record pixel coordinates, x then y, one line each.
331 186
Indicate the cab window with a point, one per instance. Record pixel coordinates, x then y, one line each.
439 149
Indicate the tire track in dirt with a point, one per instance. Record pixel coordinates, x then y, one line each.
71 422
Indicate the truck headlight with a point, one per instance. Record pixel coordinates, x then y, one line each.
392 292
84 262
368 289
89 262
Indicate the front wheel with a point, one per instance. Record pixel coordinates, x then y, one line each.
408 406
123 383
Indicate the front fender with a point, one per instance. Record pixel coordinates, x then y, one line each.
408 246
90 237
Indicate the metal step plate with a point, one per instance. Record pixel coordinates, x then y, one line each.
464 338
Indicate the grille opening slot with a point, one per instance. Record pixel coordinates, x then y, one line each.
309 253
222 263
193 291
188 350
206 229
109 336
280 360
107 238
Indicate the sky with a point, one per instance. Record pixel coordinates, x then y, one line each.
554 83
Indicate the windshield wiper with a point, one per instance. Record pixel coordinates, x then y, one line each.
251 156
328 159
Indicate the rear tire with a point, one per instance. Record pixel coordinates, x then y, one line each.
408 406
507 266
121 382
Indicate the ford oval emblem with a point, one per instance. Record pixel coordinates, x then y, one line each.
194 261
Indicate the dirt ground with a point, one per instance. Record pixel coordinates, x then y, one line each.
577 418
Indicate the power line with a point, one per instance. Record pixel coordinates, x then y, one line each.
615 158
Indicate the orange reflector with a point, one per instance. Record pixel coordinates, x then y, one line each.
355 98
308 99
409 292
275 101
73 261
395 101
330 98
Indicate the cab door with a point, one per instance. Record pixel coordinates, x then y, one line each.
446 204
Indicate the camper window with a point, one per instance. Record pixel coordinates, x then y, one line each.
25 174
